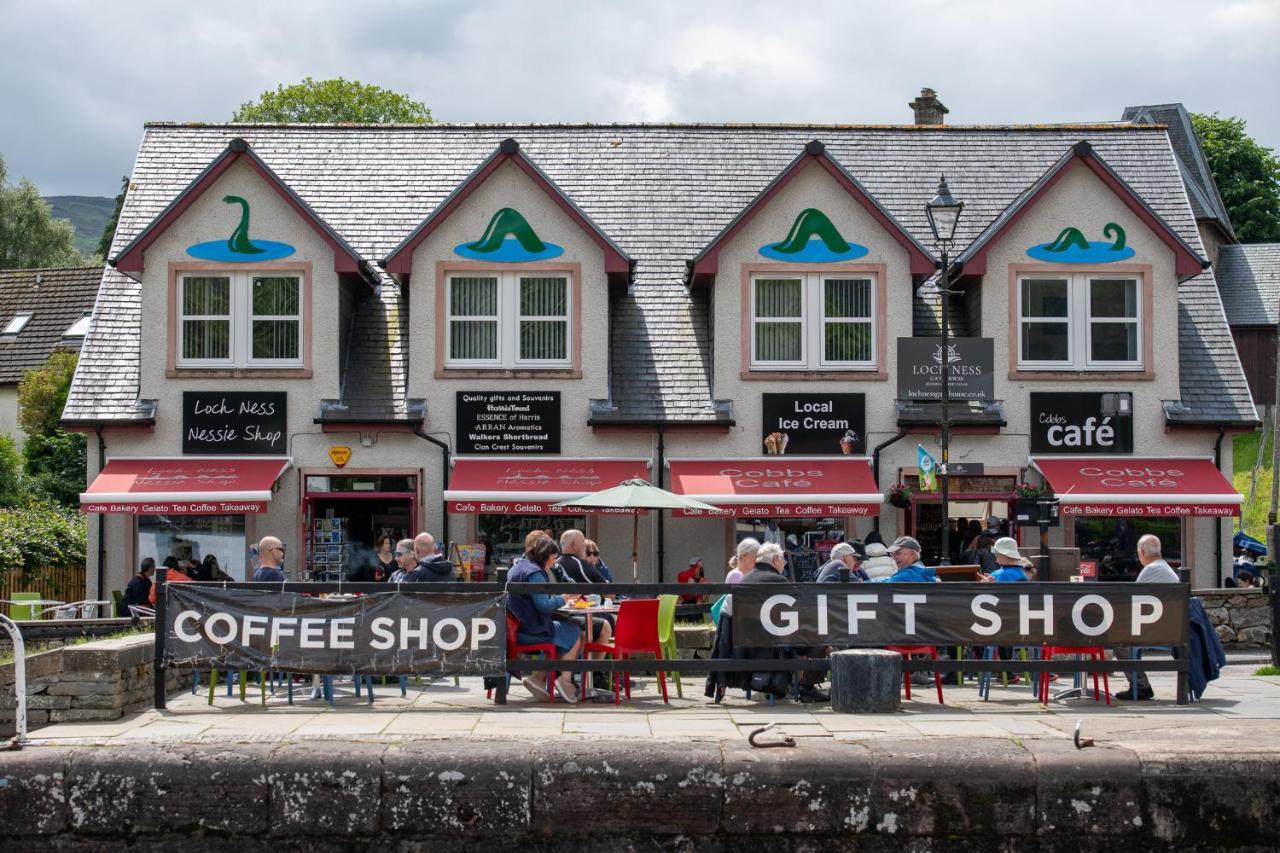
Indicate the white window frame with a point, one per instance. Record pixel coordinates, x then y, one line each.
813 321
1080 322
241 319
15 326
80 327
509 319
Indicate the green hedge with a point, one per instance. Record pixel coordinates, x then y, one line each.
40 535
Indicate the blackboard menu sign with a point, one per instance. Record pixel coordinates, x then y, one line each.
516 422
1084 422
814 424
971 362
233 422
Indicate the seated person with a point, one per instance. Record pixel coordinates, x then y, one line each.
905 552
1246 580
1011 566
692 574
770 566
596 561
175 575
535 612
845 555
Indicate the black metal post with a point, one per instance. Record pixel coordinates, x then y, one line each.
162 575
1273 589
946 416
1183 651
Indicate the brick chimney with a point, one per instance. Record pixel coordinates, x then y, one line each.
928 109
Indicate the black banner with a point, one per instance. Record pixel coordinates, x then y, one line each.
1076 423
519 422
232 422
814 424
971 361
1001 614
404 633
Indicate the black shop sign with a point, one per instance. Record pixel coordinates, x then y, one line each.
1087 422
516 422
971 362
231 422
814 424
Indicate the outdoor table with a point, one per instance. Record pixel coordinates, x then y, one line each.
588 689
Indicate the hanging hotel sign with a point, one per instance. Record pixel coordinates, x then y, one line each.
1087 422
404 632
814 424
515 422
952 614
233 422
971 364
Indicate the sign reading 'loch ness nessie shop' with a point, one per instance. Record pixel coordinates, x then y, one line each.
518 422
1075 423
215 422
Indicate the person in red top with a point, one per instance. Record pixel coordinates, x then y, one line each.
175 575
693 574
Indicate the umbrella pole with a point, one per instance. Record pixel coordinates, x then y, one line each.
635 546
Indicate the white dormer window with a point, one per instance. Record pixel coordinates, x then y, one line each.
16 325
239 320
508 320
79 328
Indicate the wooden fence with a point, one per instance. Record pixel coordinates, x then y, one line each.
66 584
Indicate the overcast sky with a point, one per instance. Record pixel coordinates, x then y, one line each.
77 80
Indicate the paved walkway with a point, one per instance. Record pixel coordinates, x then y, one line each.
1238 708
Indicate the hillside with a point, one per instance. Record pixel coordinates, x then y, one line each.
88 213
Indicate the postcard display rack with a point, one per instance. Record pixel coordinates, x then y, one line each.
329 558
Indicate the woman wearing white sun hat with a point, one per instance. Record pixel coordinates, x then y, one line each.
1012 566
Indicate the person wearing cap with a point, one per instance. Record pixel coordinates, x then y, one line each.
905 552
1011 567
845 555
878 564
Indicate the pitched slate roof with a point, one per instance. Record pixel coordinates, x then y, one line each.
1249 281
1201 187
55 299
661 193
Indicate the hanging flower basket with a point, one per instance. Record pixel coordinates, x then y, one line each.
899 496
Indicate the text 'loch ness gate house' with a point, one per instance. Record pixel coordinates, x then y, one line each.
332 334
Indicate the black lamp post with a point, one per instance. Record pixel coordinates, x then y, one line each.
943 211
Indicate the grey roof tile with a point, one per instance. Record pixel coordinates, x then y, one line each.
661 193
55 298
1249 280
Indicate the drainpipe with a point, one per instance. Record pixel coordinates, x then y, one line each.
102 518
875 467
444 450
661 518
1217 520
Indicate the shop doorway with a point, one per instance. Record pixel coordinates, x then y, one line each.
973 502
1112 543
346 516
806 541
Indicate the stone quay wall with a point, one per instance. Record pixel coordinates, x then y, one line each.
1242 617
604 796
100 680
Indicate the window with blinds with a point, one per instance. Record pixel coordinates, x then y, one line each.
239 320
508 320
1080 321
813 321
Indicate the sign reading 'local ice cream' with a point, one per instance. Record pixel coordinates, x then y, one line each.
814 424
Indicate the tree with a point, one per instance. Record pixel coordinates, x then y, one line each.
320 101
109 232
54 459
30 237
10 472
1247 174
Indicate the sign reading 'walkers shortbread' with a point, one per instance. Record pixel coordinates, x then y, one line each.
234 422
515 422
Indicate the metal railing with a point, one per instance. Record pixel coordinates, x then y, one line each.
19 681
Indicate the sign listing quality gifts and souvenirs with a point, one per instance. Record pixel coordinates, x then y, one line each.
814 424
519 422
233 422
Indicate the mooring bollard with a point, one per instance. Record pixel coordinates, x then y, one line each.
866 681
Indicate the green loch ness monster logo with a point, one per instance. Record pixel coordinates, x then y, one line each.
238 248
1072 248
813 239
508 239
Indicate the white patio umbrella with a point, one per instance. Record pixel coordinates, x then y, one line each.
637 494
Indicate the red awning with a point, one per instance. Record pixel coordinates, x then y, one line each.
779 486
185 485
533 486
1142 486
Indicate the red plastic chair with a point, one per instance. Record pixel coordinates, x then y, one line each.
932 652
1091 652
514 650
636 632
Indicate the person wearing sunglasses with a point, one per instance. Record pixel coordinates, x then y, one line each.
597 562
270 558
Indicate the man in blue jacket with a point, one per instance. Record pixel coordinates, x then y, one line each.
905 552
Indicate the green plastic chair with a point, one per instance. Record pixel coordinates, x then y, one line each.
20 612
667 633
117 600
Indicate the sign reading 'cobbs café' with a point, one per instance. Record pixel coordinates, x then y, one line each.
519 422
814 424
970 362
233 422
1077 423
